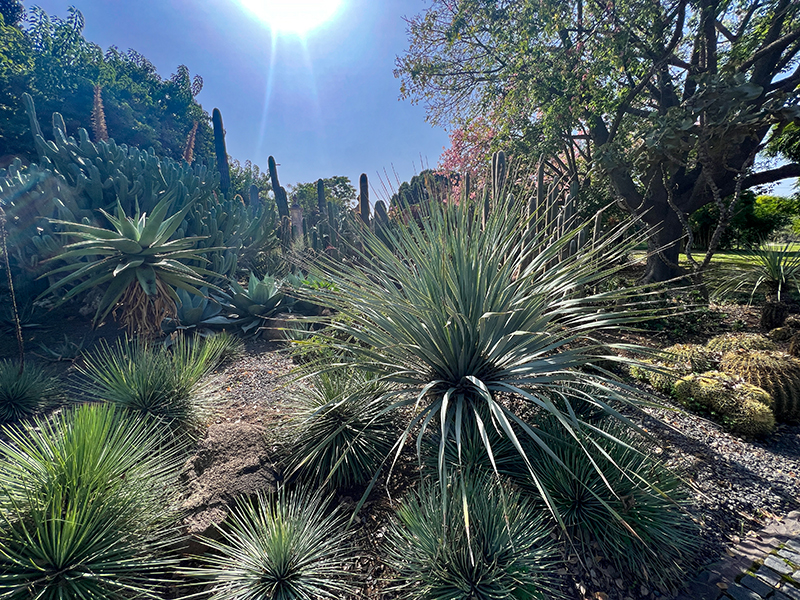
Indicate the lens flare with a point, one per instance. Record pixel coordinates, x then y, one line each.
297 17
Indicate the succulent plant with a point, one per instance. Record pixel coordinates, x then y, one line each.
743 408
775 372
673 363
728 342
141 267
263 299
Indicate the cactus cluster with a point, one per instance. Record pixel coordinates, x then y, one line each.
775 372
673 363
728 342
74 179
742 407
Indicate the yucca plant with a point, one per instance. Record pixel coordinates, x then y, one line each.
464 318
614 498
506 551
342 435
166 385
85 508
137 261
288 546
24 392
772 270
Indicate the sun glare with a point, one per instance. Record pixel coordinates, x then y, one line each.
292 16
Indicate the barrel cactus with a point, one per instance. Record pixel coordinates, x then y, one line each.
775 372
673 363
743 408
728 342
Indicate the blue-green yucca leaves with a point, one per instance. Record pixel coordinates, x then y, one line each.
24 394
137 251
461 314
509 553
87 507
342 435
634 514
774 270
168 386
287 546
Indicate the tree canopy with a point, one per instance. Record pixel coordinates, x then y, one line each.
667 102
49 58
338 189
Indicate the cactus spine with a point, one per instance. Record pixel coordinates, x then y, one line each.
221 153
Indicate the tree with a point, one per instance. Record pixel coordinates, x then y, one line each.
667 101
338 189
12 11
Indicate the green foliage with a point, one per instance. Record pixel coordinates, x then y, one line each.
86 504
24 394
137 261
339 191
776 373
342 435
616 500
167 386
774 270
728 342
503 550
51 60
288 546
754 220
262 300
460 319
743 408
423 187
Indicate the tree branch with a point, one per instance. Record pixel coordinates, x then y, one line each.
772 175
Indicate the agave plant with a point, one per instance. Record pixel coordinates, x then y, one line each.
137 261
260 301
85 507
199 312
466 318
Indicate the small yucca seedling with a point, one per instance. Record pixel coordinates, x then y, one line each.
288 546
23 394
504 551
343 431
85 507
165 385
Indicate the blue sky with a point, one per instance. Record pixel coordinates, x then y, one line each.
324 106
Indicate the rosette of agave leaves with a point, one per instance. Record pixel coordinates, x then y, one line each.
136 261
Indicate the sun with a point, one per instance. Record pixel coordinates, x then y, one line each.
292 16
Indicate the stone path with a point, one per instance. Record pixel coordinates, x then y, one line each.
764 565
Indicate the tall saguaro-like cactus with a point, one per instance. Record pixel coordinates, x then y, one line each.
221 153
363 198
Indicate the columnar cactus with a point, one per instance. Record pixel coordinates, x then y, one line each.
221 153
363 199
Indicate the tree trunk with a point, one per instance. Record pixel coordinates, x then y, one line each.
664 248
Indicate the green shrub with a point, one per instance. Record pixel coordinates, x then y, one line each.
85 507
288 546
504 552
743 408
24 394
343 432
728 342
776 373
165 385
615 499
